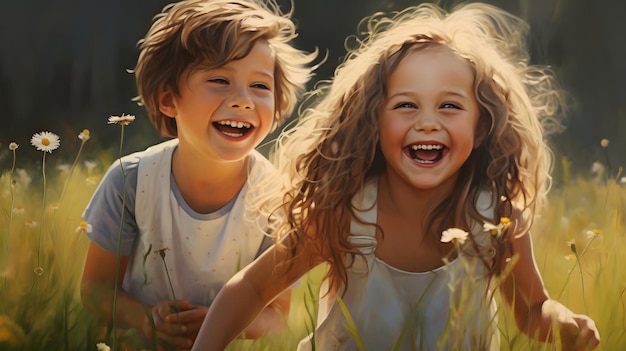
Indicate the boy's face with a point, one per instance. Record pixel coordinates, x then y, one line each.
224 113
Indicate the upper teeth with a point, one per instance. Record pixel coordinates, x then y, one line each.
235 124
426 147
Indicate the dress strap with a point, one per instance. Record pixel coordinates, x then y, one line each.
364 234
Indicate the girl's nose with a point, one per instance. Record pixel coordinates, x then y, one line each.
427 122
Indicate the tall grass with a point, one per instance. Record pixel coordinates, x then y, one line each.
578 244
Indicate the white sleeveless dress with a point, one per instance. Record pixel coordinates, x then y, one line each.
392 309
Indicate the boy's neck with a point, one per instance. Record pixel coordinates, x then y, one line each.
208 186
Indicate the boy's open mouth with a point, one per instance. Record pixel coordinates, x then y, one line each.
233 128
426 153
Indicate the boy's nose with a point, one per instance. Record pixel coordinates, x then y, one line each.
241 100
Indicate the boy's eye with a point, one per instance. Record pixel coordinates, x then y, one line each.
218 81
261 86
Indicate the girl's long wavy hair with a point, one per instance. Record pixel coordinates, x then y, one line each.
328 156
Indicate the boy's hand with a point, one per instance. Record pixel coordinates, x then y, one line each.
176 324
190 316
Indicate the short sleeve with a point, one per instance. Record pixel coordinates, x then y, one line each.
110 200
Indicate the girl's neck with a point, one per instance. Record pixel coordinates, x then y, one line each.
402 198
404 217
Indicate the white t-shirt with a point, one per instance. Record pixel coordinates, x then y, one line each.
407 310
202 251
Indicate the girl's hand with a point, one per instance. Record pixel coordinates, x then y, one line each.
577 331
582 335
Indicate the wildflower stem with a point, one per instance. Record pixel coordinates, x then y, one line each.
569 274
11 192
582 282
8 248
43 209
119 246
608 162
67 180
167 272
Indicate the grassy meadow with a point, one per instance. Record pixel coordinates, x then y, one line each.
578 244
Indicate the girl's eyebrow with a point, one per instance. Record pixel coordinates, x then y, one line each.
446 93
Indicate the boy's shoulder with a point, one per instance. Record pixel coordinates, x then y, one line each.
128 166
156 149
261 167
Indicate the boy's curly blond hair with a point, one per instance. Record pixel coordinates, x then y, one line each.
212 33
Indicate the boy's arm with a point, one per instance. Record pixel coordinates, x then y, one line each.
248 292
98 286
97 291
535 313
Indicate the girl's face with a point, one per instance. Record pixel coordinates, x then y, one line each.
225 112
428 121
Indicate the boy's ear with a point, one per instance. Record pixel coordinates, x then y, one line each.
166 102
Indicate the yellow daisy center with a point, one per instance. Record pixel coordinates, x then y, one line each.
83 225
85 131
45 141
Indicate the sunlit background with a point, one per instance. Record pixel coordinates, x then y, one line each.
63 69
63 63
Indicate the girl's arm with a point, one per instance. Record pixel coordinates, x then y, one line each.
272 319
248 292
535 313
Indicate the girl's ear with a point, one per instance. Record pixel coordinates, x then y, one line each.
167 106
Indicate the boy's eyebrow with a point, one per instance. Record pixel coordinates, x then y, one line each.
264 72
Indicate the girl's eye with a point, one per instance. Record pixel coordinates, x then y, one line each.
450 105
404 105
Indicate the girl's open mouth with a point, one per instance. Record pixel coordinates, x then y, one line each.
426 153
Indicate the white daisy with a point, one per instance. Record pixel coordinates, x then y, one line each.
455 235
84 227
18 210
64 168
45 141
91 180
90 165
84 135
604 142
13 146
123 119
